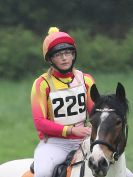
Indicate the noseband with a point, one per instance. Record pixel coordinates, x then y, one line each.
116 153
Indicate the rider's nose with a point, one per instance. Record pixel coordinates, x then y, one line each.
64 56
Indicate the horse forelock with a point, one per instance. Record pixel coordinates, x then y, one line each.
112 102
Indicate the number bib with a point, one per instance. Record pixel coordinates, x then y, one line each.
69 105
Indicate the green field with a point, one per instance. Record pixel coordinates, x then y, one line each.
18 137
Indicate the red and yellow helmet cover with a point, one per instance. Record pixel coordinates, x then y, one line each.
54 38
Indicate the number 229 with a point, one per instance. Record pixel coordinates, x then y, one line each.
73 100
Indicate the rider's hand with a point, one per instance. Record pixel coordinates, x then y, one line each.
80 131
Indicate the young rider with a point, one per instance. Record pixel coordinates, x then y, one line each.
60 101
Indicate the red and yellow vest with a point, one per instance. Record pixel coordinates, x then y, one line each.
59 101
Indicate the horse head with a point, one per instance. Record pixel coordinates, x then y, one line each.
109 129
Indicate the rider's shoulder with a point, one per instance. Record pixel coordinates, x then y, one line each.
88 78
41 81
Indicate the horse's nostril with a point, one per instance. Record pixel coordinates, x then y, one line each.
98 167
103 163
90 162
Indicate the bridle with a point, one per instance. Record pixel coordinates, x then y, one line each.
116 152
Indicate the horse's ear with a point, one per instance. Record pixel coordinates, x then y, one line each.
94 93
120 92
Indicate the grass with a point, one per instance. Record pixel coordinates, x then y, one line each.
17 134
18 137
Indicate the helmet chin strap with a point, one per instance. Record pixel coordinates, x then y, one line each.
64 71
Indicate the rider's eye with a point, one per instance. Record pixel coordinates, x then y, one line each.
66 52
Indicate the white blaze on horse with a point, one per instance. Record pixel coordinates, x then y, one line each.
102 154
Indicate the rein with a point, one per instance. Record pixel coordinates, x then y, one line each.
116 153
82 162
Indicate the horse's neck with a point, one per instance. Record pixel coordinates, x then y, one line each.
85 149
119 168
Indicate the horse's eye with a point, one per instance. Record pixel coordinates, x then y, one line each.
118 122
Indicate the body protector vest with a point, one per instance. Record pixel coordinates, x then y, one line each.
68 105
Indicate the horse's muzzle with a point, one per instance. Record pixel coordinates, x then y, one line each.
99 168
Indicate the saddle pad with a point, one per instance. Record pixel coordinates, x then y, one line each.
28 174
69 170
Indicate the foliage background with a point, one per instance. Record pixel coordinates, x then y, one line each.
103 31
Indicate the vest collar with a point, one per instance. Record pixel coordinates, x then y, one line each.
57 74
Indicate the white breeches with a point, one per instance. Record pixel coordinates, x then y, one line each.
48 155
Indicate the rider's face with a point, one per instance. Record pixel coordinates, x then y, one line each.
63 59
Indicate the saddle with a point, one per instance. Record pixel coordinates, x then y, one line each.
62 169
29 173
59 171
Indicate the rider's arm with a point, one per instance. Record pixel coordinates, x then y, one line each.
39 104
89 81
